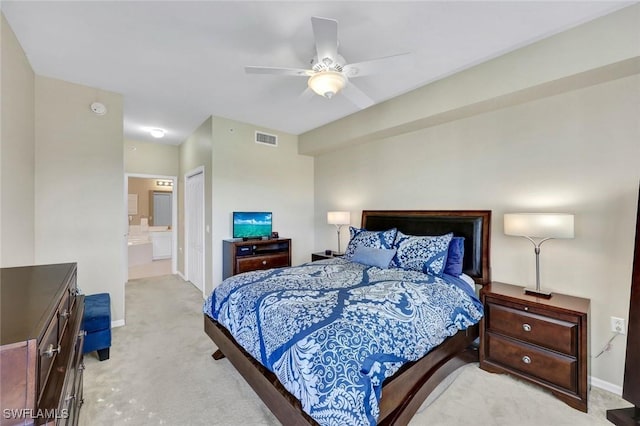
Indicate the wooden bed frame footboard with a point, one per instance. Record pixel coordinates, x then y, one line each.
404 392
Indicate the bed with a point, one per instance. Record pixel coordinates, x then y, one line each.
397 388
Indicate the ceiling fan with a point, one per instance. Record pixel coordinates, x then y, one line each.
329 73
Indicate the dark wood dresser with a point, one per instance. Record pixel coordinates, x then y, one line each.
242 256
41 353
543 341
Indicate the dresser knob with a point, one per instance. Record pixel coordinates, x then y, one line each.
51 351
526 359
526 327
264 262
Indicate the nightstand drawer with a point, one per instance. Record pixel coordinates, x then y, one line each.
544 331
549 366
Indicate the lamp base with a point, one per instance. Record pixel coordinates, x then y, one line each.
538 293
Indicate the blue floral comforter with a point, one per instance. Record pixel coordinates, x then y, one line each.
333 330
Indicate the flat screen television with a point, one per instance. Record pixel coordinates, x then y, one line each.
252 224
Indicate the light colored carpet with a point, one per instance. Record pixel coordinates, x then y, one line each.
161 373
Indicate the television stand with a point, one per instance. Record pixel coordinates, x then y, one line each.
253 255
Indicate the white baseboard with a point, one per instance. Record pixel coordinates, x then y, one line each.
599 383
118 323
178 273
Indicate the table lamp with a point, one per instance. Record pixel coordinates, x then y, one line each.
538 228
339 219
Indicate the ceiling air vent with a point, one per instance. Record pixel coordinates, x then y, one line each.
266 139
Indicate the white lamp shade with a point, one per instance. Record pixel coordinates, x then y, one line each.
539 225
338 218
327 83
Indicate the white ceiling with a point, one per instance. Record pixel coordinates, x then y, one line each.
176 63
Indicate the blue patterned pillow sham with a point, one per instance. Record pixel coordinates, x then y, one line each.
373 239
455 257
425 254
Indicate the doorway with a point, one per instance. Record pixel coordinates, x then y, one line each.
151 227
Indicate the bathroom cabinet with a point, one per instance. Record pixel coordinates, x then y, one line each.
161 241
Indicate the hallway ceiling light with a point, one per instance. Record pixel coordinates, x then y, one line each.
157 133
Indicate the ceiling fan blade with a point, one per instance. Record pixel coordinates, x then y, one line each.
306 94
298 72
375 66
357 96
325 32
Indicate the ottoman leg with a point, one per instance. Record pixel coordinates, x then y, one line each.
103 354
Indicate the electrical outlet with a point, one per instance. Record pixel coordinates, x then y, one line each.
617 325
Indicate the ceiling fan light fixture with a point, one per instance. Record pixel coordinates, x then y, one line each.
327 83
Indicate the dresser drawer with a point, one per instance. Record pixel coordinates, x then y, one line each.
544 331
64 311
47 351
262 262
549 366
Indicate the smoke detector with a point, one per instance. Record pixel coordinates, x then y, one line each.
98 108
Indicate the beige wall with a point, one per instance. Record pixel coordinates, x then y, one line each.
241 175
79 183
17 158
254 177
151 158
195 153
571 150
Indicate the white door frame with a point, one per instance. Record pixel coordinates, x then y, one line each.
174 218
198 170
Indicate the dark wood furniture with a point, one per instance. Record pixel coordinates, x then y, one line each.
242 256
631 385
404 393
543 341
41 353
322 255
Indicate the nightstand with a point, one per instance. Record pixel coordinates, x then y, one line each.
543 341
321 255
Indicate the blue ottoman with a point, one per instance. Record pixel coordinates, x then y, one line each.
97 324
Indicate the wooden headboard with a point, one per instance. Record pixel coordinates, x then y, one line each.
473 225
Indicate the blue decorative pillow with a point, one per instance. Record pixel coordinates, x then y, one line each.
373 239
455 255
373 256
424 254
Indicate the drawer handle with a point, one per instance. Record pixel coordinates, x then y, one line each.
526 359
526 327
64 314
51 351
264 262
